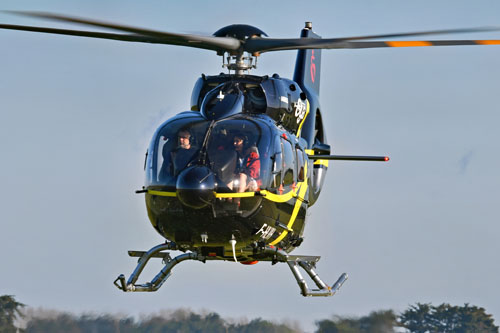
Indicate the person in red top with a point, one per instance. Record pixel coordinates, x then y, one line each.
247 165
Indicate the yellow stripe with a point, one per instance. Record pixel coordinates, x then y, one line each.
408 43
321 162
317 162
280 198
298 204
235 195
303 120
295 212
162 193
488 42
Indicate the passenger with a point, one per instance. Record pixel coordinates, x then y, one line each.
247 166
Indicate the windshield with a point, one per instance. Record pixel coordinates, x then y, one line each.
237 151
238 154
176 146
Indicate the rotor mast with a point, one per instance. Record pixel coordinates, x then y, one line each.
239 63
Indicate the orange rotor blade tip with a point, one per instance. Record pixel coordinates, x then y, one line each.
386 158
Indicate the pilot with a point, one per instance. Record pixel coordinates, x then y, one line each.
176 160
184 153
247 165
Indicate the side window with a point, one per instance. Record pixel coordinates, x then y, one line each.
288 165
277 162
300 164
164 144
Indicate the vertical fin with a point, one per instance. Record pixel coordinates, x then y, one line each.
308 65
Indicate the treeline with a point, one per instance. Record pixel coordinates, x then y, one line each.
179 321
417 318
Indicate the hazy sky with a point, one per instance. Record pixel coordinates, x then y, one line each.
77 115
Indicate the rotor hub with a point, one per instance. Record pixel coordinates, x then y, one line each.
239 31
237 61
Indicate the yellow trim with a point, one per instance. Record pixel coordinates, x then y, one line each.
280 198
235 195
296 208
162 193
303 120
321 162
266 194
317 162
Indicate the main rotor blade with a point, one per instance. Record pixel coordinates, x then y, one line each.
422 33
413 43
204 42
81 33
252 45
258 44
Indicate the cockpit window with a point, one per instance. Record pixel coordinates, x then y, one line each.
176 146
238 153
237 150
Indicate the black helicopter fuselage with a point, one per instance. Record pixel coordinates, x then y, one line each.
197 203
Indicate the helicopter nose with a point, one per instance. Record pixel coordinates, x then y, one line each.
195 186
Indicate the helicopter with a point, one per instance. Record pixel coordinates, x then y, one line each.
203 194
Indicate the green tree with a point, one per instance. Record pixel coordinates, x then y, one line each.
184 322
68 323
376 322
9 310
180 321
327 326
260 326
421 318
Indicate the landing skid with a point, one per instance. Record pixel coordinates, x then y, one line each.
307 263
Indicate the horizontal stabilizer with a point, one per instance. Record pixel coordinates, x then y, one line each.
349 158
